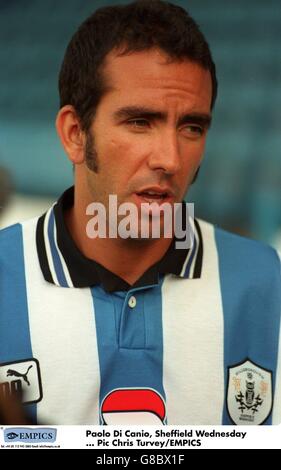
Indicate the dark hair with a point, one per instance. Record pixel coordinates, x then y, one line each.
139 26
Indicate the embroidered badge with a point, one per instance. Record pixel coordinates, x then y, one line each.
21 377
249 393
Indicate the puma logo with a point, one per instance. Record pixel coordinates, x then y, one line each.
11 372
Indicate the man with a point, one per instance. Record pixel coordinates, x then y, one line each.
131 329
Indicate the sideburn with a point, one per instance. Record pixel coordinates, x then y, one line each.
91 156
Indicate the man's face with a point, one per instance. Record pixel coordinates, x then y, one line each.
150 128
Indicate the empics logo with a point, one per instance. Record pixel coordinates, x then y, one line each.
30 434
21 378
11 435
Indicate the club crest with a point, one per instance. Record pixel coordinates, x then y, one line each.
249 393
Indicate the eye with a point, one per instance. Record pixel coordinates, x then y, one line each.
193 131
138 123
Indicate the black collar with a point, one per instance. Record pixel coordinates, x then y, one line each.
64 265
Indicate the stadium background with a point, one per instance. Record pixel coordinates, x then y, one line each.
239 187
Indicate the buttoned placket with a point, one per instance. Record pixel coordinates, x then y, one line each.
132 331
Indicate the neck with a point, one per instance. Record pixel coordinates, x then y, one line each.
127 258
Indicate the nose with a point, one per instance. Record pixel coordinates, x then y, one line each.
166 155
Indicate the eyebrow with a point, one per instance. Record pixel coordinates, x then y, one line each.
129 112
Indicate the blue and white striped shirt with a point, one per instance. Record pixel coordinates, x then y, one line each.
194 341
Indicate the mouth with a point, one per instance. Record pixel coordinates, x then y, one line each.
158 195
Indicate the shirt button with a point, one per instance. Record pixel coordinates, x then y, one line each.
132 302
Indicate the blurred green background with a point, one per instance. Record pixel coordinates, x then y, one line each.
239 186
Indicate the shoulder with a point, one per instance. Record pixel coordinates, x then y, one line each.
14 238
240 254
8 234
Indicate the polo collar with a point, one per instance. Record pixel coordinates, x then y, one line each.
64 265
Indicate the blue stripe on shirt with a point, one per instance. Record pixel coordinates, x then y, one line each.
130 348
15 342
250 288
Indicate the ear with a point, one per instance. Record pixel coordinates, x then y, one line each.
70 133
